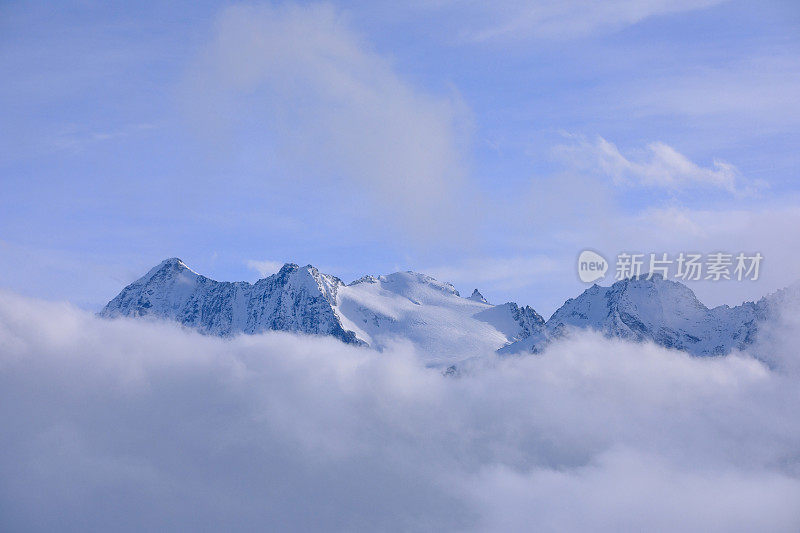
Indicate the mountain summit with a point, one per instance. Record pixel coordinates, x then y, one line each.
654 309
374 310
295 299
478 297
431 315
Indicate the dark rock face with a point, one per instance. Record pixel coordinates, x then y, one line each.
298 299
477 297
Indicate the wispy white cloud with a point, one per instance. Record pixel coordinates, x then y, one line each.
759 88
659 165
264 267
554 19
77 138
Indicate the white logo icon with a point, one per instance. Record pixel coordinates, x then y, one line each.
591 266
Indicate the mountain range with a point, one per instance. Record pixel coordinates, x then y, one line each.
415 308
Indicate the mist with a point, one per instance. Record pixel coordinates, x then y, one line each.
132 425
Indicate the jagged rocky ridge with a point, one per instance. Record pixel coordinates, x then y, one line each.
294 299
665 312
433 317
374 310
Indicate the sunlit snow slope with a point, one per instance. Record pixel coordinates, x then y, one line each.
431 315
665 312
404 306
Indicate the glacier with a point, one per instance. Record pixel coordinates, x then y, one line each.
378 311
373 311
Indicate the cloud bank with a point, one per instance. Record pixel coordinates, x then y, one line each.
124 425
337 112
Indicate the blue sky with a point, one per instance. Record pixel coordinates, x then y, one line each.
486 146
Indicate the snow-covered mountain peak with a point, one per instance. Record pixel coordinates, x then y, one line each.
415 307
647 281
477 297
308 279
365 279
652 308
410 283
288 268
655 293
295 299
172 261
410 306
170 267
378 311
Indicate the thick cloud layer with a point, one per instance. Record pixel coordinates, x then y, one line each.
122 425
